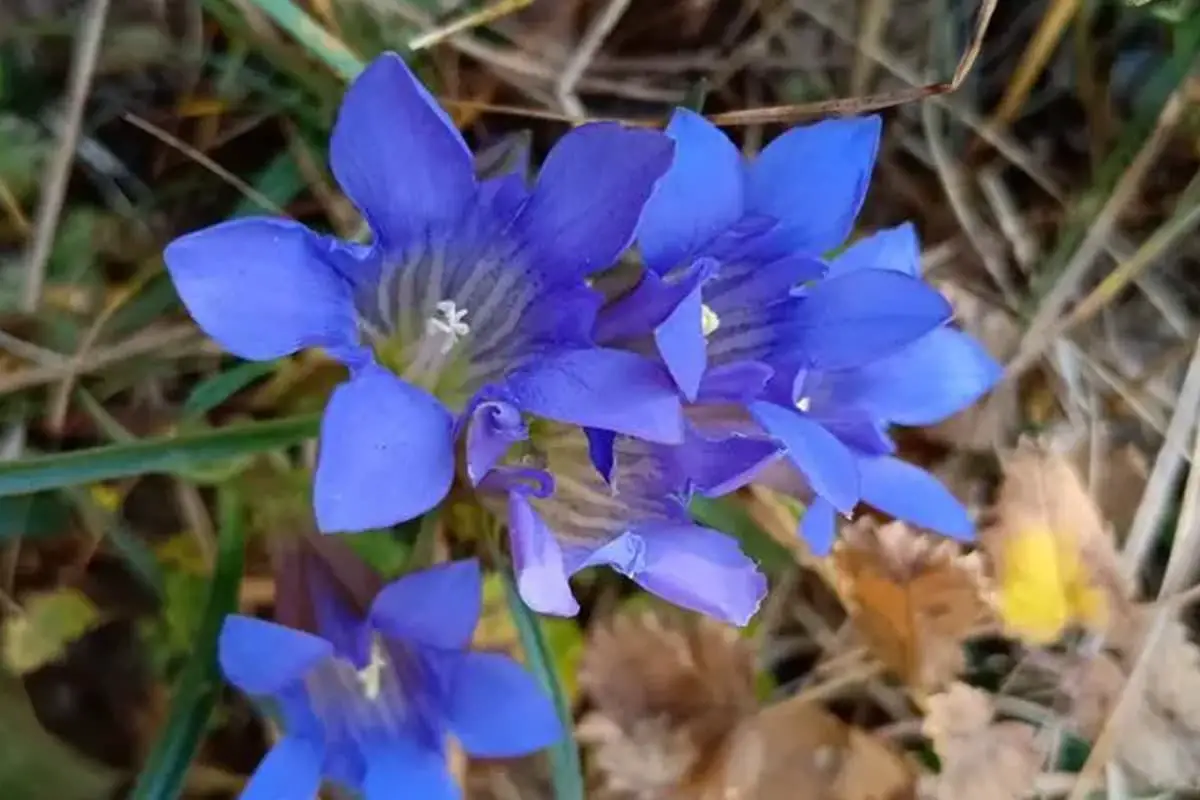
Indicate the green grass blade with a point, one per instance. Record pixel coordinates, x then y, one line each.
166 454
211 392
565 768
199 683
305 30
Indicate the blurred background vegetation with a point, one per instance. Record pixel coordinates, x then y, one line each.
1055 189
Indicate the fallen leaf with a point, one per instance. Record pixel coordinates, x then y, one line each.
797 744
980 758
1055 561
50 622
913 598
1159 745
666 697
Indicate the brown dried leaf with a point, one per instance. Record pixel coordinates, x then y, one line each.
1055 560
525 778
981 759
796 750
666 698
1159 745
913 598
992 419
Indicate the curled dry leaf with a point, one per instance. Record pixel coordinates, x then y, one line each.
992 419
1054 558
666 697
981 759
676 719
1159 743
913 598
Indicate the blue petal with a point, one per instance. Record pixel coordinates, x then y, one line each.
263 289
896 249
404 767
538 561
913 495
504 195
681 343
497 709
436 607
494 427
746 282
291 769
644 307
693 567
940 374
601 446
719 466
698 198
818 526
826 463
863 316
387 454
738 382
397 155
813 179
609 389
260 657
588 198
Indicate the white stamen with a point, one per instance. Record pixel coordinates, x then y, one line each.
370 677
443 331
709 321
804 403
450 324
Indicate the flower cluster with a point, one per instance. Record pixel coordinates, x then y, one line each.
481 352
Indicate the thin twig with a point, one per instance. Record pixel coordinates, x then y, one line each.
1166 467
593 40
1051 306
233 180
54 184
137 345
466 22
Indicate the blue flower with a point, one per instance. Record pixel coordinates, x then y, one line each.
938 375
369 703
738 299
466 287
565 515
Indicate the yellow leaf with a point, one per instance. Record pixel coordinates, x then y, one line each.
1055 562
1044 588
51 621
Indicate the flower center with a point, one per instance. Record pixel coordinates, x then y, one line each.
433 360
709 321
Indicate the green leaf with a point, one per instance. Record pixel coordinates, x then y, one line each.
566 772
212 392
52 620
173 454
35 764
724 515
199 683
